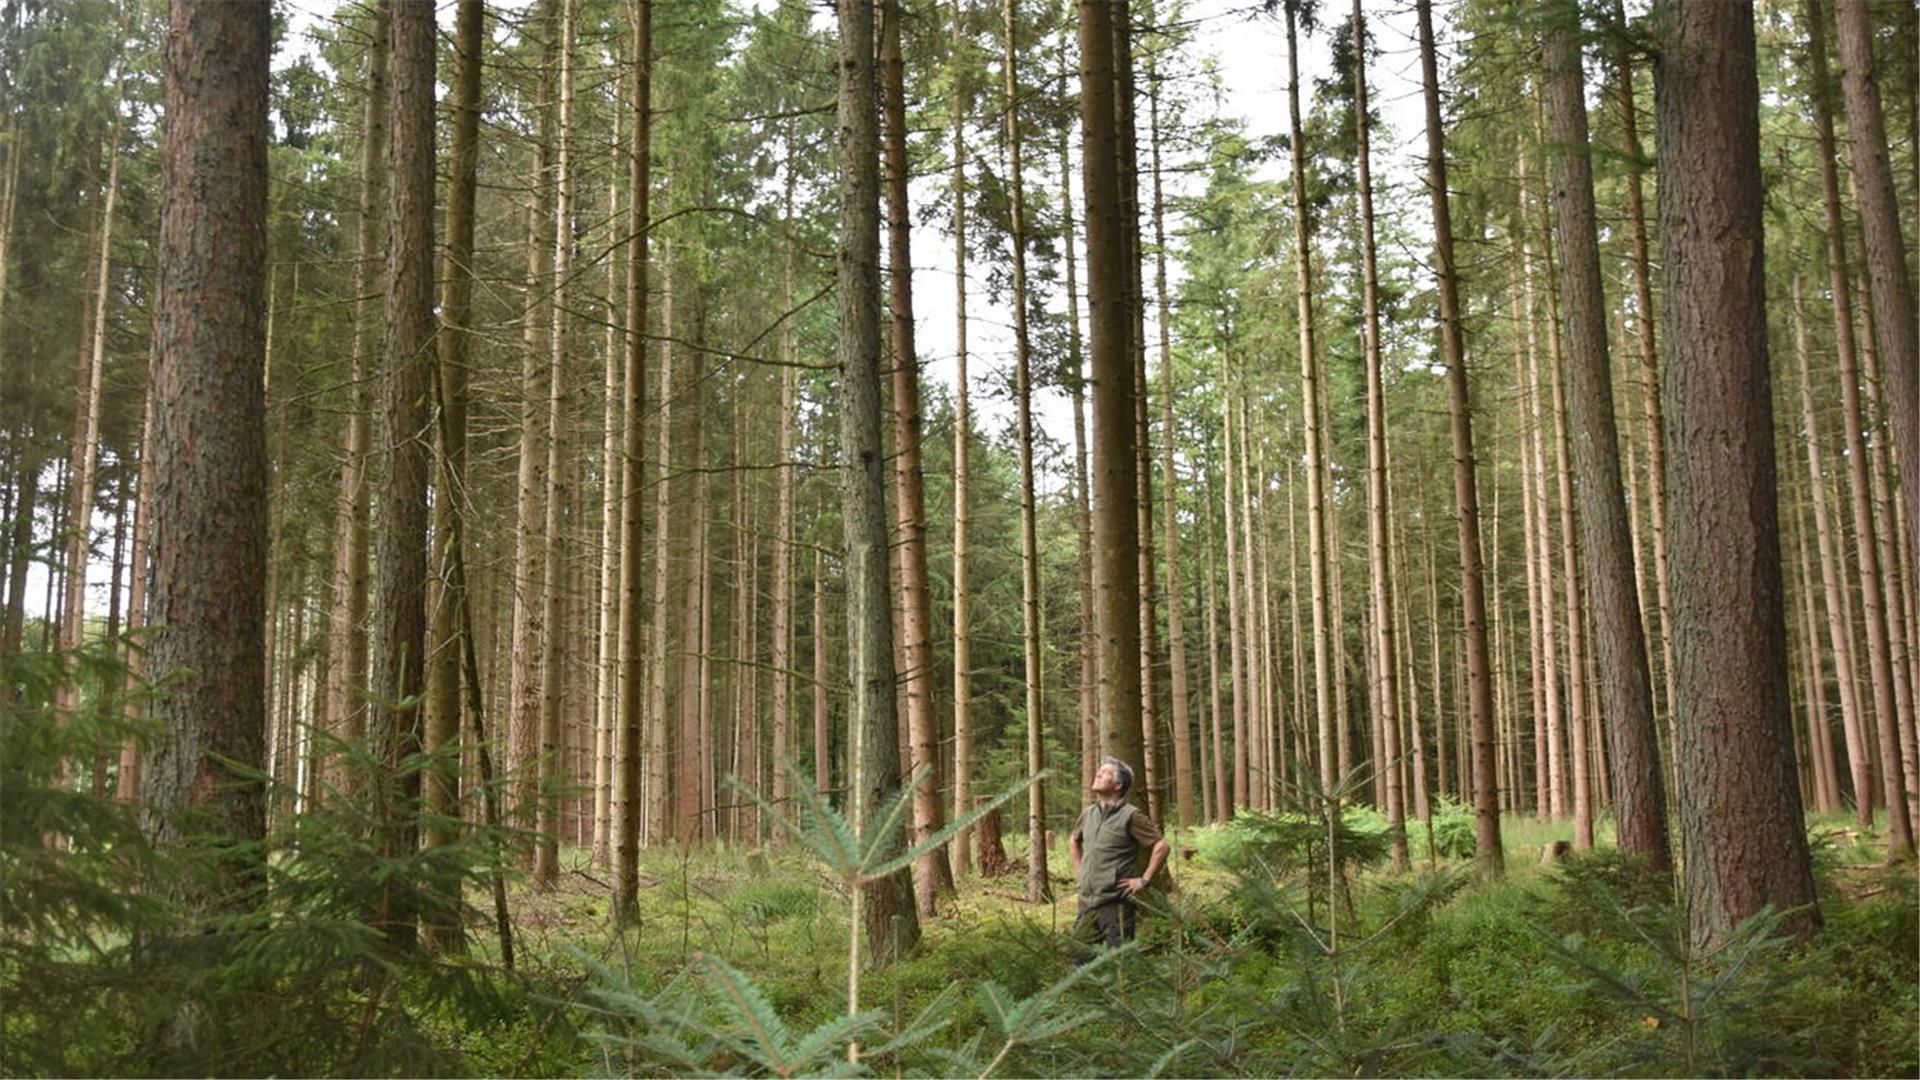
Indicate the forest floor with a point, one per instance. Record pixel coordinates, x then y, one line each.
1570 965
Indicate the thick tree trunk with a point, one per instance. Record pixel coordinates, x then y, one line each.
782 657
1740 814
209 443
1486 797
400 555
1626 690
1116 523
888 916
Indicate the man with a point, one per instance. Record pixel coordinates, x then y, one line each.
1108 845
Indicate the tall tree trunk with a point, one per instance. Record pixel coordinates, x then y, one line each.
784 746
531 549
1039 888
1386 689
1221 793
1116 523
1082 495
1626 689
625 799
400 555
1893 306
347 702
888 915
1486 797
933 876
1740 815
1236 615
962 455
209 444
1644 330
85 452
1310 391
1574 601
553 589
128 784
442 805
1833 588
822 736
669 535
1888 276
1187 812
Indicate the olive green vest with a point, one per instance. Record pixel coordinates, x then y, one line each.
1107 852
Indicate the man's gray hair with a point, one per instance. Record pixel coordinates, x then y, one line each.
1125 770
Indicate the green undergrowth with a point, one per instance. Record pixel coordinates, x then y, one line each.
1260 959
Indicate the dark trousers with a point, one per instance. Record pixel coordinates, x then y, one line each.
1110 923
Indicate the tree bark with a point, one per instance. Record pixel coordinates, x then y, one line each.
209 444
443 725
625 799
1489 855
1626 689
553 589
1740 814
889 919
400 554
963 463
1116 523
933 876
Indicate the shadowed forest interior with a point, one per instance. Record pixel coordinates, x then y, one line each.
547 537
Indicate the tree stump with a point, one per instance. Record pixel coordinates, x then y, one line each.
992 852
1553 851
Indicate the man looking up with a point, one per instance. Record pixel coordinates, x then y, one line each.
1108 845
